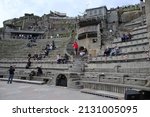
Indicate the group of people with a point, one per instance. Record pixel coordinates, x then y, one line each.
62 59
112 51
126 38
82 51
116 50
48 48
39 72
37 56
79 51
32 42
11 71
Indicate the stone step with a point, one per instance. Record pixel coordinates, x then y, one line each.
19 49
139 28
122 58
135 37
24 81
103 93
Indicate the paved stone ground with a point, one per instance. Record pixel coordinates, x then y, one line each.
23 91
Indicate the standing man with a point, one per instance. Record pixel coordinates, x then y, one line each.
11 74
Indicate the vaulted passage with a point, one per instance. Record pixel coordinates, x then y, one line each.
61 80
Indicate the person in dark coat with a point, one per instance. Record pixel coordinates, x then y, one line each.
39 71
65 58
28 64
53 45
11 74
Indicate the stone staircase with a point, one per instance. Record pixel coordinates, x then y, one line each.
136 23
76 72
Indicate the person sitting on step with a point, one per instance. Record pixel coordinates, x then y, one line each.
39 71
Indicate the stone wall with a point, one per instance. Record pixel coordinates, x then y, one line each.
92 47
112 16
128 16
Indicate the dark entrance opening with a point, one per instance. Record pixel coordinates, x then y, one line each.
61 80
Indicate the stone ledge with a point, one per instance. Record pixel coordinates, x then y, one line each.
120 85
103 93
134 38
139 28
24 81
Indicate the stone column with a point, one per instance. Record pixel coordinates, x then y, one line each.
147 8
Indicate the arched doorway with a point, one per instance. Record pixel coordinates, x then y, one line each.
61 80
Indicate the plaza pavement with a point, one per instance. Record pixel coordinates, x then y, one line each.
24 91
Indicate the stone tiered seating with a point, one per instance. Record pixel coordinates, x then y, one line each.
109 89
22 75
17 56
140 28
121 58
117 77
103 93
131 43
140 31
136 22
131 50
50 64
135 49
128 70
20 50
135 37
105 76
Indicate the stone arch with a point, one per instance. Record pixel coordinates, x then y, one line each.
61 80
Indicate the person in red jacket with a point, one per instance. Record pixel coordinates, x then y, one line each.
75 46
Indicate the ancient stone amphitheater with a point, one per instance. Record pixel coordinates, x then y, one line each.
100 75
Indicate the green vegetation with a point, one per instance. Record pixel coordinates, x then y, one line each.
131 8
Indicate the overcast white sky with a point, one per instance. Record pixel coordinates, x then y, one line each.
15 8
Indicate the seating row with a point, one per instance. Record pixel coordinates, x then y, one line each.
112 87
135 37
130 50
35 65
131 43
137 32
139 28
122 58
116 79
131 24
25 81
